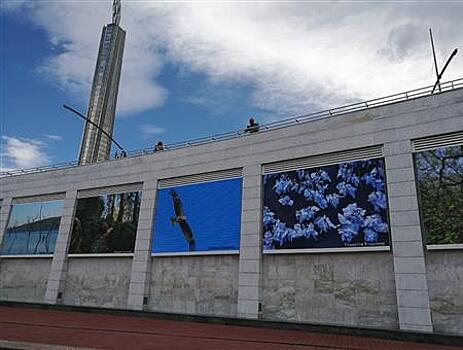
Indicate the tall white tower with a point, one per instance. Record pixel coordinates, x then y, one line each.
96 146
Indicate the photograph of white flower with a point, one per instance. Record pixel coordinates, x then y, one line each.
341 205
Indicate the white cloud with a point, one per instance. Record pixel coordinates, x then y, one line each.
297 57
74 31
148 129
304 56
54 137
21 153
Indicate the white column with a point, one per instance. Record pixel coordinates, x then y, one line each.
141 265
250 265
58 270
407 243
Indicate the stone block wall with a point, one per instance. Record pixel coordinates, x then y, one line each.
445 280
99 282
24 279
407 288
351 289
203 285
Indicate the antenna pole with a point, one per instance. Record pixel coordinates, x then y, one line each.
435 60
443 69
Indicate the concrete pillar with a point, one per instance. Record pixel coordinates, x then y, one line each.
407 243
58 270
250 265
141 265
4 215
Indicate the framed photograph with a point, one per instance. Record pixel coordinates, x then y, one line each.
32 228
440 189
106 224
198 217
336 206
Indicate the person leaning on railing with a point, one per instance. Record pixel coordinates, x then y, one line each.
159 147
252 126
118 155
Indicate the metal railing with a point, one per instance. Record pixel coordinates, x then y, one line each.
403 96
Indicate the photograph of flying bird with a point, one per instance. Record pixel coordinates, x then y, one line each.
180 219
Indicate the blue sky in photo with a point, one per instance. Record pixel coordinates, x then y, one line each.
33 242
23 213
212 211
193 70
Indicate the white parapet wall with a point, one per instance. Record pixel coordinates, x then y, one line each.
402 286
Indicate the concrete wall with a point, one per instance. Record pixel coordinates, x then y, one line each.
345 289
205 285
237 285
24 279
445 279
101 282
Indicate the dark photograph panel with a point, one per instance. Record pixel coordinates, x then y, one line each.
106 224
32 228
342 205
440 184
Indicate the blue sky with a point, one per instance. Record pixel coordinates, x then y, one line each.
30 212
217 228
193 70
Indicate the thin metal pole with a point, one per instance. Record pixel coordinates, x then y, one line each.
435 60
89 121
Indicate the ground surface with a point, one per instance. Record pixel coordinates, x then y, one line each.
79 329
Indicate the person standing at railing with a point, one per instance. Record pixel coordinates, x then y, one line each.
252 126
159 147
118 155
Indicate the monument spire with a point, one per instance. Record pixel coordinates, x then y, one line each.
96 145
116 11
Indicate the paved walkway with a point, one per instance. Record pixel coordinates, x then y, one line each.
86 330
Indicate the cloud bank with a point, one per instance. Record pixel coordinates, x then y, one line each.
21 153
296 57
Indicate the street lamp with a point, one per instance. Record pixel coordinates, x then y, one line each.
96 126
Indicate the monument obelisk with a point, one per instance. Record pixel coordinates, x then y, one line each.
96 146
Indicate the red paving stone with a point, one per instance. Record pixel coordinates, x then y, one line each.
128 332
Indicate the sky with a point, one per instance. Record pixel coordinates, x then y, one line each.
30 212
217 228
197 69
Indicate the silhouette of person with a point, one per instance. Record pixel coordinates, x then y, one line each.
159 147
252 126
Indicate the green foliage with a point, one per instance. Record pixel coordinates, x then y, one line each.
106 224
440 180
